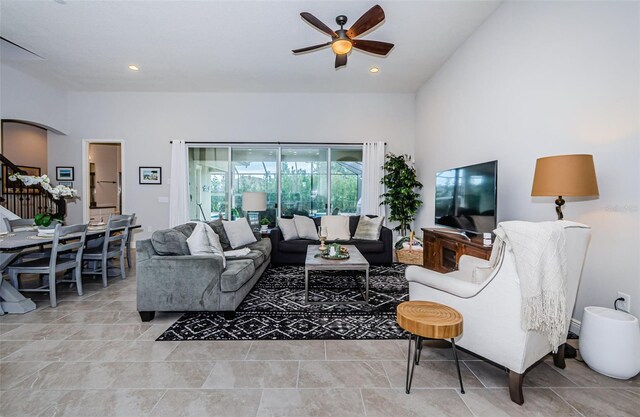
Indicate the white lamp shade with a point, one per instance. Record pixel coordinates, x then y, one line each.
254 201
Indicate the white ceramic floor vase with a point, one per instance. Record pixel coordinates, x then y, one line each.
610 342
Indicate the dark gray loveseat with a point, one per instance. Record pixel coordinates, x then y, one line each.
293 252
169 278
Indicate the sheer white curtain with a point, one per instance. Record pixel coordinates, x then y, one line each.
372 172
179 189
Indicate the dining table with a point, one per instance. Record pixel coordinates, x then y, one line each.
12 244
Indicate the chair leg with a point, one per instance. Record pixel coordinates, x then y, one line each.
558 357
105 273
128 248
14 279
515 387
122 272
52 290
78 272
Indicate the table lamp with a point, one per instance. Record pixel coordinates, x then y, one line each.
254 202
565 175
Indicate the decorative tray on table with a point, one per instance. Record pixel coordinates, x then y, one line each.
336 257
340 253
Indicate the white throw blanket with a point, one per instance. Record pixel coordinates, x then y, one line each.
236 253
541 261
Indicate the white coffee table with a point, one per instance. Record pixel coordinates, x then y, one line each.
356 262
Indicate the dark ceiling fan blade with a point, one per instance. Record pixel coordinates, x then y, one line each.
370 19
311 48
318 24
374 47
341 60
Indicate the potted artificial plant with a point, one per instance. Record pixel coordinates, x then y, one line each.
264 223
401 182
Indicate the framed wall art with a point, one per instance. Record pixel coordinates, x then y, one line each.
150 175
64 174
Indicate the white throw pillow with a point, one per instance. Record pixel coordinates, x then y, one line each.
337 227
239 232
200 243
288 229
369 228
306 227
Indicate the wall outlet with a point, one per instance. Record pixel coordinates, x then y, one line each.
626 304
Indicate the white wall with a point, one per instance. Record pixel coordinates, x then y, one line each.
540 79
148 121
23 97
25 145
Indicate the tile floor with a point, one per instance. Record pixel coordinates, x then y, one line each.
92 356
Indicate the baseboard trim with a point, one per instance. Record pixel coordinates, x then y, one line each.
574 326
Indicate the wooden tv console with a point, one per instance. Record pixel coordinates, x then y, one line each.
444 247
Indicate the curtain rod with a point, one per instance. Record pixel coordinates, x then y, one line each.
274 143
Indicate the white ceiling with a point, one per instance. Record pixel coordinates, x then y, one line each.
229 46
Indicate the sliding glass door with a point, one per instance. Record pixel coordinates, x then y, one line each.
208 183
255 170
346 181
303 181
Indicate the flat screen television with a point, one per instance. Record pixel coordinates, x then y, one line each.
466 197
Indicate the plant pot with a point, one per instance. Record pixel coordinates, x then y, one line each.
52 225
264 228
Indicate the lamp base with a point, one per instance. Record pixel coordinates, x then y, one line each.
559 204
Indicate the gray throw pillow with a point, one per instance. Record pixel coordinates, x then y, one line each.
217 227
169 242
369 228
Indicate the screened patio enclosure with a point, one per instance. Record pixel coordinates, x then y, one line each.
310 180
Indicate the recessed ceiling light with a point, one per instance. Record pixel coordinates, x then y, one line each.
373 70
134 68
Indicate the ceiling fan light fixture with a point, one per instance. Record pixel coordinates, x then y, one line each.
341 46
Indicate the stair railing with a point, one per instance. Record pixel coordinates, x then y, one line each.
26 200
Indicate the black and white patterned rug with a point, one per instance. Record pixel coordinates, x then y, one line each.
275 308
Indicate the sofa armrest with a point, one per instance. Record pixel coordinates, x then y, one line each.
275 235
144 250
386 236
455 283
468 263
178 283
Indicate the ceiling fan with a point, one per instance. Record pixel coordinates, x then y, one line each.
343 40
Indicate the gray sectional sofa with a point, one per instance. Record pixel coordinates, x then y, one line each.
169 278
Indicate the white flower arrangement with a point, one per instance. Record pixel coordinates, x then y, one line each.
57 192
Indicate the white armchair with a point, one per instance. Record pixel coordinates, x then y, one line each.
490 303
